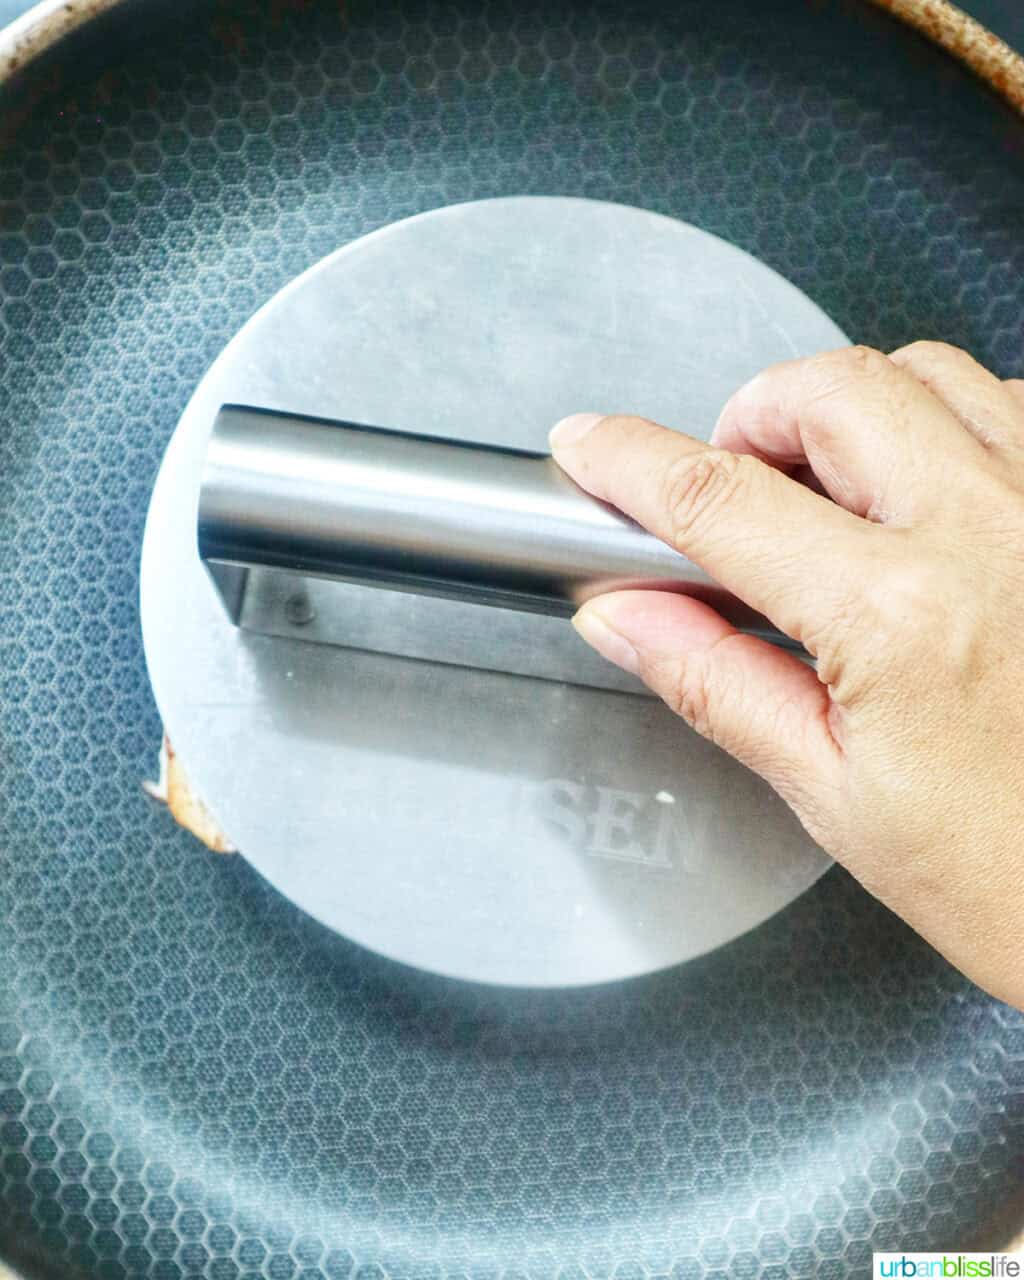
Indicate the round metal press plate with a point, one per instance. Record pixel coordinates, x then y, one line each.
577 836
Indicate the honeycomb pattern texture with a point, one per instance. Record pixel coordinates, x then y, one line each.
195 1079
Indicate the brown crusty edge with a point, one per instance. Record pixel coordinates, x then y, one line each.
173 789
967 40
939 20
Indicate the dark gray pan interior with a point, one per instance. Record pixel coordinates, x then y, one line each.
195 1079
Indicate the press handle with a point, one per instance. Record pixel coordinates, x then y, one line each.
430 515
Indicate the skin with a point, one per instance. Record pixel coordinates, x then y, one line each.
872 507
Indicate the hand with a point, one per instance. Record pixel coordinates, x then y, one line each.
872 508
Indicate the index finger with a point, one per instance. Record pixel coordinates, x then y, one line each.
789 553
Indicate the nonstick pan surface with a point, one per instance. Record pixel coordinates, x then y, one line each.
195 1078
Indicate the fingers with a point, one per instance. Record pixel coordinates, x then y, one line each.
987 407
789 553
762 705
874 436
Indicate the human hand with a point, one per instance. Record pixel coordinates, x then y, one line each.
872 508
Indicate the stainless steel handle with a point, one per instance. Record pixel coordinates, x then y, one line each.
429 515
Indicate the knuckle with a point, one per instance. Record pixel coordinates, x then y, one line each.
706 694
939 364
905 598
695 488
837 369
838 383
927 352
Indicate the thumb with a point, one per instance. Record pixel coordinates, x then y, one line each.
761 704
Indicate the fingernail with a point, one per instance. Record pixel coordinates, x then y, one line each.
608 642
572 429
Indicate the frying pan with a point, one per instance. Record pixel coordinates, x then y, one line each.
195 1078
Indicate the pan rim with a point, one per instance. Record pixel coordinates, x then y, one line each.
964 38
40 28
